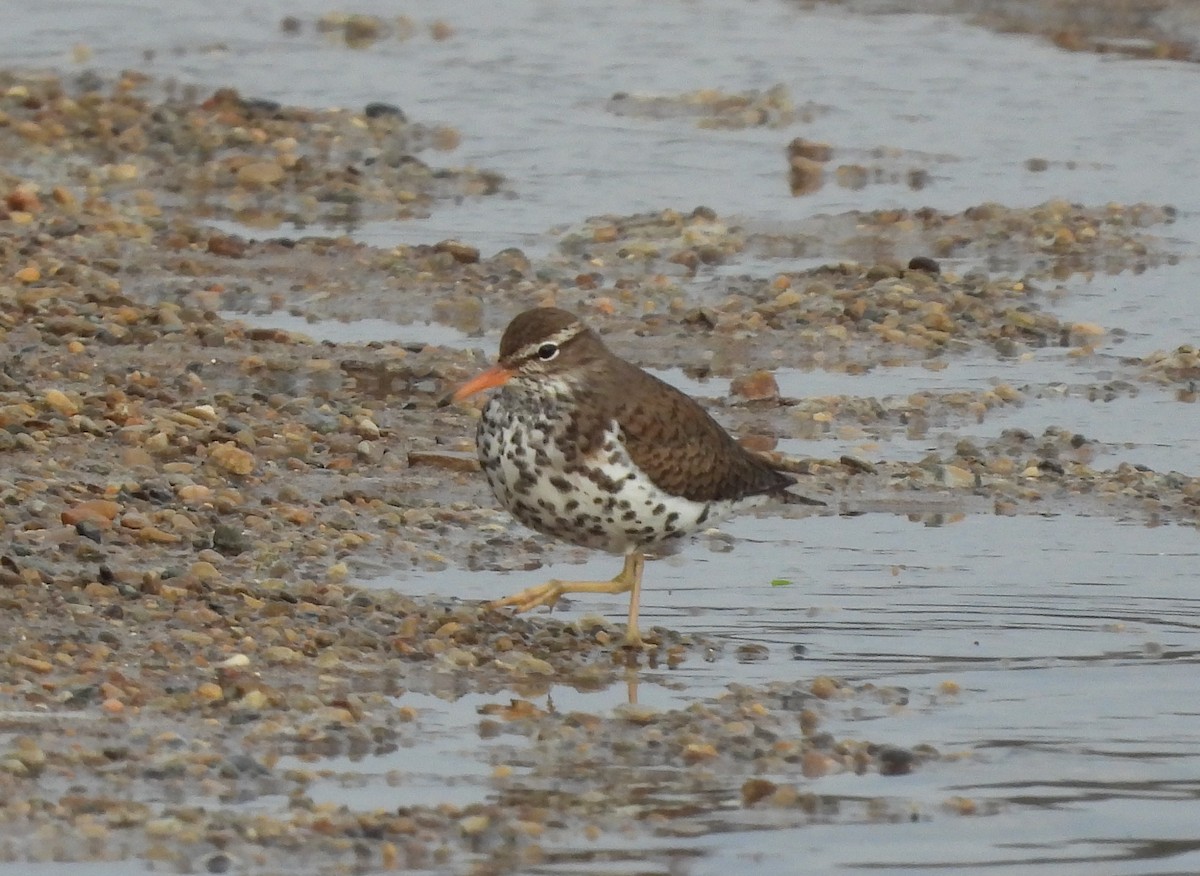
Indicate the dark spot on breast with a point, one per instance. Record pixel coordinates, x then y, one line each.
560 483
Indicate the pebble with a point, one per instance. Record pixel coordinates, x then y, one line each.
757 386
58 401
232 458
260 174
172 424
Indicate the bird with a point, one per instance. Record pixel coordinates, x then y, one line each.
583 446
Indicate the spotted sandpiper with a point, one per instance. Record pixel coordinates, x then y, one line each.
585 447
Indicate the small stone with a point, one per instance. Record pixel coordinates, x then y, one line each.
379 110
260 174
232 458
810 149
1086 329
123 172
254 700
956 476
113 706
757 386
961 806
89 530
814 764
823 687
698 752
282 654
754 790
752 652
227 245
461 252
229 540
35 664
210 692
58 401
100 511
204 572
195 494
444 459
474 825
163 828
895 761
637 714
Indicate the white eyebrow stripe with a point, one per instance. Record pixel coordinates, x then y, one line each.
559 338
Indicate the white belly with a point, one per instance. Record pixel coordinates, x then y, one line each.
603 502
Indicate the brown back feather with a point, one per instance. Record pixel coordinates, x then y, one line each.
678 444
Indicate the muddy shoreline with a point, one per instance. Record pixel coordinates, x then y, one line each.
190 501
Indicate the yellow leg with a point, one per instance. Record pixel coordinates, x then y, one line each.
629 580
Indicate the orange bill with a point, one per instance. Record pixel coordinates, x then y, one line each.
490 379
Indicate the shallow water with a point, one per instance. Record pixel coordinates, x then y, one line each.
1074 639
1076 659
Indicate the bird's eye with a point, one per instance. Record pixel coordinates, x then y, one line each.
546 352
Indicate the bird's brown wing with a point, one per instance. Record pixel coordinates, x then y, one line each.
681 447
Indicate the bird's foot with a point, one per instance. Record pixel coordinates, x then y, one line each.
550 592
531 597
633 641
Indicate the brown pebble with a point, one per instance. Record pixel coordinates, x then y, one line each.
698 752
227 245
100 511
754 790
60 402
815 764
823 687
444 459
810 149
28 274
757 386
461 252
260 174
861 466
232 458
